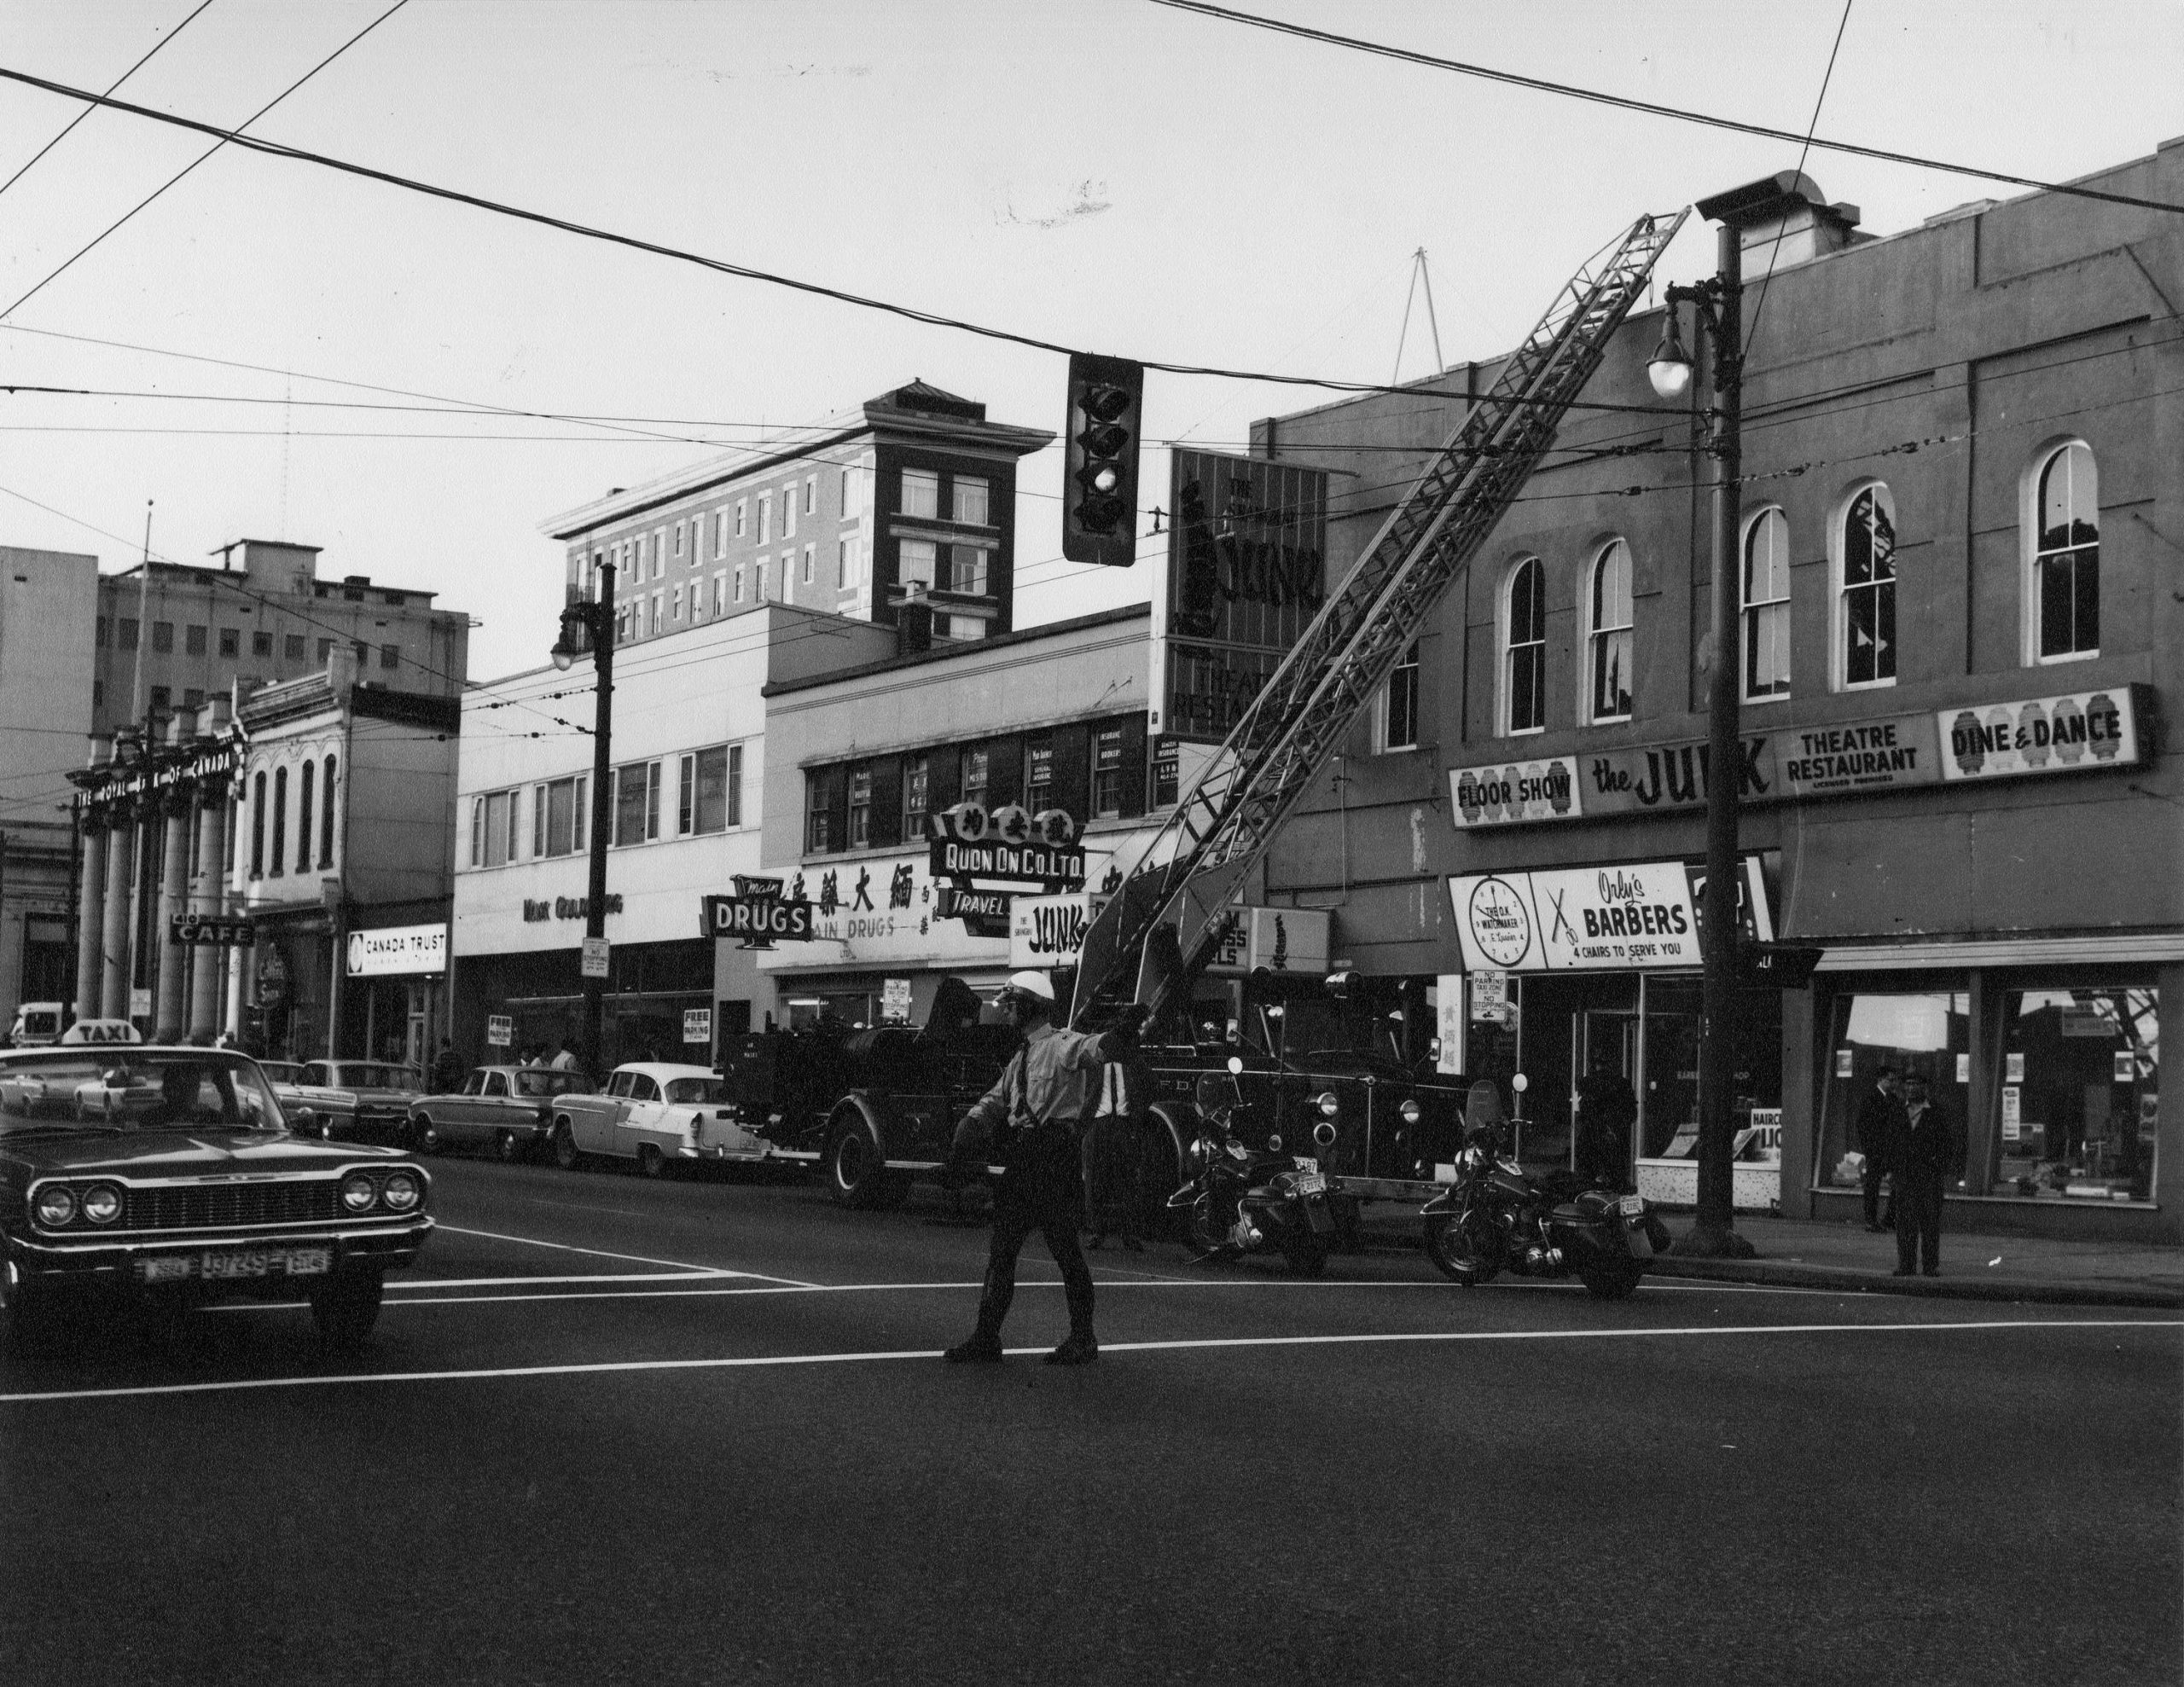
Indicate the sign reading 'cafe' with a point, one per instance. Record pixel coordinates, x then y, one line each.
2073 733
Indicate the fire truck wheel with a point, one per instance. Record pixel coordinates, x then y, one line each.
856 1171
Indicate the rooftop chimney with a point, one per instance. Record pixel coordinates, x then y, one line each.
1783 219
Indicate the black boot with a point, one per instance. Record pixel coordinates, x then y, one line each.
980 1349
1079 1349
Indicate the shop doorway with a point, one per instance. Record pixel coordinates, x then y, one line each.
1606 1052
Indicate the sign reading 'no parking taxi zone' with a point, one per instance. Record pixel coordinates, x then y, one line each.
1641 914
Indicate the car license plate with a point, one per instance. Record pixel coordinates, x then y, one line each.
1631 1205
225 1264
1311 1183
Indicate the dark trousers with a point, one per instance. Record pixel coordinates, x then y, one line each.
1041 1189
1919 1220
1871 1176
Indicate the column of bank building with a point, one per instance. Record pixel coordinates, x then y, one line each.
156 815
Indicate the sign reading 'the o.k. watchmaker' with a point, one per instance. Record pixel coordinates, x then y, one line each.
2078 732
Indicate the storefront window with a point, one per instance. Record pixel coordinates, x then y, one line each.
1926 1034
2081 1078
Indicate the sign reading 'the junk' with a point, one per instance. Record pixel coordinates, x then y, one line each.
2081 733
1247 571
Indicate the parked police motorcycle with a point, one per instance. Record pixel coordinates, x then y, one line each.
1240 1200
1495 1216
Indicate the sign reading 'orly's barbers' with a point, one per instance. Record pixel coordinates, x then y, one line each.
2075 734
1596 919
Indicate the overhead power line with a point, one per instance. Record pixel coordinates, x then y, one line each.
89 244
111 86
719 265
1567 90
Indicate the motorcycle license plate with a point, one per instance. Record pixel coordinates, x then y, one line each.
1311 1183
1631 1205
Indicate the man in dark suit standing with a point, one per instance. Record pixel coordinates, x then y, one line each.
1933 1154
1879 1127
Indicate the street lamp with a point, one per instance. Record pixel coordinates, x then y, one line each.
1717 307
589 624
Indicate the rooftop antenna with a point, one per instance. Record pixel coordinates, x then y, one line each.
1418 279
143 626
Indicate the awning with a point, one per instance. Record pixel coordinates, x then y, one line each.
2135 947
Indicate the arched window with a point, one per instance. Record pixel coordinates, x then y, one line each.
326 822
258 826
1767 605
1523 646
1866 612
279 821
2066 556
1607 621
303 819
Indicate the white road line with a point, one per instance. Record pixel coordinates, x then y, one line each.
625 1367
397 1285
634 1259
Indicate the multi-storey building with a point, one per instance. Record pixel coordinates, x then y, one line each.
170 635
46 606
1961 508
860 757
297 835
916 487
685 803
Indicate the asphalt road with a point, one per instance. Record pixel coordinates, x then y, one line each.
618 1431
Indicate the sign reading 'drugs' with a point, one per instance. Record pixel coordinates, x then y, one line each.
2073 733
1641 914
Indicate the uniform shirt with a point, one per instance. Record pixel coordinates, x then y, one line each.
1054 1081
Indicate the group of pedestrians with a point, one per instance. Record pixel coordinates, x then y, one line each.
1916 1144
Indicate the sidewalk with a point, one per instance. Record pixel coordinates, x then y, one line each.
1812 1254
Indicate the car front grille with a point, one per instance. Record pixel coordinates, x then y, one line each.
218 1205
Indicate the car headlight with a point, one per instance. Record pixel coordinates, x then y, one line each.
101 1203
1329 1104
358 1193
400 1192
55 1206
1411 1112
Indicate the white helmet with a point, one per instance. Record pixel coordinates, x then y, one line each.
1035 985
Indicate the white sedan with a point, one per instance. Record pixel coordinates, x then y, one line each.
656 1114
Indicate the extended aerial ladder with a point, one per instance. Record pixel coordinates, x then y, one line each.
1181 884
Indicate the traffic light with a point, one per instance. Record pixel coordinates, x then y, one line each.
1098 522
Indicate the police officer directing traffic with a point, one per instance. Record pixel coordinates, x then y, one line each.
1031 1121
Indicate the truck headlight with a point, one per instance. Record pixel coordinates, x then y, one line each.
1411 1112
1329 1104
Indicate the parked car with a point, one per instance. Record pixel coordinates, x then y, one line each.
358 1100
657 1115
285 1075
509 1109
141 1174
38 1023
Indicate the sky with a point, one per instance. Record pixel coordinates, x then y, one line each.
1111 175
